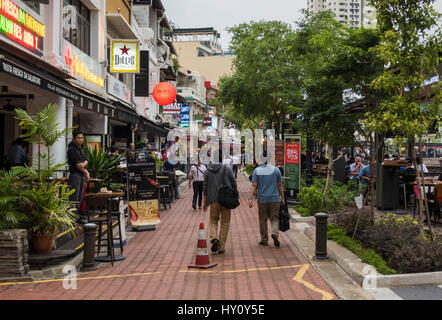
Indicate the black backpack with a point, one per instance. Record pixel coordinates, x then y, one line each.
227 196
284 218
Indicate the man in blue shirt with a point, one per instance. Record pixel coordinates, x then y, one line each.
267 179
364 177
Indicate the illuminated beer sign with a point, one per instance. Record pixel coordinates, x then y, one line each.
20 26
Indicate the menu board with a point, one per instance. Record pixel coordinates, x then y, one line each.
292 162
143 194
142 180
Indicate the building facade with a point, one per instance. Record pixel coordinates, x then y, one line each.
59 53
354 13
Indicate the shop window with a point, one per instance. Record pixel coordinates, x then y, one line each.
77 24
34 5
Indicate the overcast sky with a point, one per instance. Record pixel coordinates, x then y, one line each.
221 14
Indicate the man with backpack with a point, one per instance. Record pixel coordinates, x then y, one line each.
268 180
219 186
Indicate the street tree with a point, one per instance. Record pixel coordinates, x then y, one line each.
410 49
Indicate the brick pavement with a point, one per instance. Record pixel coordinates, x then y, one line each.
156 263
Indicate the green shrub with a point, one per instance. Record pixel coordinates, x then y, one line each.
397 240
304 212
339 235
337 197
249 169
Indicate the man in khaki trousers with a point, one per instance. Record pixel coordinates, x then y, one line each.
268 180
214 177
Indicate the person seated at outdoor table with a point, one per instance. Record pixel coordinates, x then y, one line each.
418 161
355 168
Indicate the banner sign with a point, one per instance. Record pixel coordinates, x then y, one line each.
207 122
38 80
125 56
118 89
142 78
88 72
21 27
184 117
292 162
174 108
143 193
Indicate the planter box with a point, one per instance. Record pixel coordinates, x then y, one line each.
14 252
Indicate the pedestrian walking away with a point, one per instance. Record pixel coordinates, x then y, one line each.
78 173
267 180
196 175
215 176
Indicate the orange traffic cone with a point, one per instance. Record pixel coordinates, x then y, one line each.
202 260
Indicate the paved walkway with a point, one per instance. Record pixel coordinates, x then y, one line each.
156 263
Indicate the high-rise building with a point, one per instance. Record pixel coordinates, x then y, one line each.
355 13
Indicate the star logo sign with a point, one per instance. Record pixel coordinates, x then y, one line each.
124 50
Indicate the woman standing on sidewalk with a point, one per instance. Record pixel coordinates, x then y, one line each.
197 175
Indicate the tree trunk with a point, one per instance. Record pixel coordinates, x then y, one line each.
419 186
329 180
427 211
373 155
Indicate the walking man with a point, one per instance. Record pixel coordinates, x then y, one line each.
77 167
215 176
267 179
197 175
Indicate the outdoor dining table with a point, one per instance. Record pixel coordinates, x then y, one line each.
111 257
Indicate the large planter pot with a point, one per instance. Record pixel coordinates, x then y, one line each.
43 244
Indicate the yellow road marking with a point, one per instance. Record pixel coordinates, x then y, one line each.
298 278
85 278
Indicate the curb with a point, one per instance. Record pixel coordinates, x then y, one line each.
363 274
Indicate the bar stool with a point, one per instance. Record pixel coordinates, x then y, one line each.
165 192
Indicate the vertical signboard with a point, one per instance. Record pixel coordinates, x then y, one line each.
142 78
125 56
184 117
292 163
143 194
279 153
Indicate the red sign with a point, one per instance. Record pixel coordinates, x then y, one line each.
292 153
20 26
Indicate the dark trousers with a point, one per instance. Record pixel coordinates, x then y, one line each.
235 170
76 181
197 193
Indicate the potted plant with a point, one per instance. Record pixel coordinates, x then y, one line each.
45 200
103 167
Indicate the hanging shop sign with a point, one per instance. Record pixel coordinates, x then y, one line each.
174 108
292 162
118 89
125 56
207 122
184 117
142 78
88 73
21 27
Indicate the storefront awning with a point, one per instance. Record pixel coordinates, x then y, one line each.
21 70
127 115
149 125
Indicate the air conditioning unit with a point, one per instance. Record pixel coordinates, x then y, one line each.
191 78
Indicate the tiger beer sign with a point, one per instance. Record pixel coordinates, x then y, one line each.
125 56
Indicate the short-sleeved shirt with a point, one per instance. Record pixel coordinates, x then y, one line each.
365 172
198 172
267 177
352 167
75 156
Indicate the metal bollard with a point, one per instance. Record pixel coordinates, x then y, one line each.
90 231
321 236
